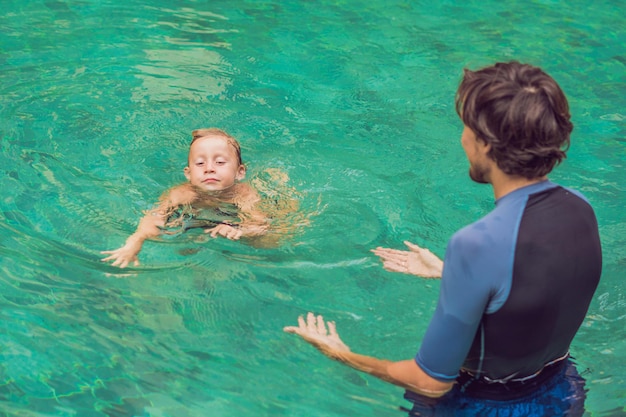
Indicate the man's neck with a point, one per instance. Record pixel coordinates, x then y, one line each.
504 184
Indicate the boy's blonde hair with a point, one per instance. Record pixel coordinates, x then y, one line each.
213 131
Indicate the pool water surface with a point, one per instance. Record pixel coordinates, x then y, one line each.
354 101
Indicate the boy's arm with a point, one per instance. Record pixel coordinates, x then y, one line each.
253 221
149 226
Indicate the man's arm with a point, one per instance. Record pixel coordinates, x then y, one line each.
406 374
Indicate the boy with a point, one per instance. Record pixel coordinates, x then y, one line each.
213 198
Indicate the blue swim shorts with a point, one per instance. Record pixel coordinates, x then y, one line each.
563 394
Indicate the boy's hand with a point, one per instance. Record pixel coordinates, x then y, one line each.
416 261
123 256
225 230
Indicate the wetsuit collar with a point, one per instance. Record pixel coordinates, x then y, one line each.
527 190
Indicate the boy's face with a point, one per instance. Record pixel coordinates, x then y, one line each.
213 164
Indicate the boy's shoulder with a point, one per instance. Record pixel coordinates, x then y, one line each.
245 188
180 194
245 195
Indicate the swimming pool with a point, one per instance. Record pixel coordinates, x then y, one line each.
354 100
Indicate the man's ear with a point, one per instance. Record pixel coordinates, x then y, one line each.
483 146
241 173
186 172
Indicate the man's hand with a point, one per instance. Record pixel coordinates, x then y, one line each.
314 331
417 261
226 230
406 374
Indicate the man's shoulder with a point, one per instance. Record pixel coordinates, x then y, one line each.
577 193
471 240
490 233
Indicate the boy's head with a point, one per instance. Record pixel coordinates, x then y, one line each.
213 131
214 161
521 112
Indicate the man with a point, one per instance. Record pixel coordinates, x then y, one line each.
516 284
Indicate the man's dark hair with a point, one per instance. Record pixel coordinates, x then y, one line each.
521 112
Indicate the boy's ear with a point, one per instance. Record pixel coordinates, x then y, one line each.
241 173
186 171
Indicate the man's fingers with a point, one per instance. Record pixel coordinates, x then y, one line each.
321 327
332 329
310 322
412 246
291 329
318 333
296 329
393 256
387 252
399 257
301 323
394 267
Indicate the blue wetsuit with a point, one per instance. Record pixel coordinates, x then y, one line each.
516 287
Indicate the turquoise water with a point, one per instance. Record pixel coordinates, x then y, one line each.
354 101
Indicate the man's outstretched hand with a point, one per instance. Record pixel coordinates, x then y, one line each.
314 330
417 261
